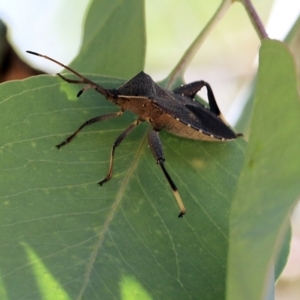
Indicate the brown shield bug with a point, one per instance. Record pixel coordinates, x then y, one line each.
173 111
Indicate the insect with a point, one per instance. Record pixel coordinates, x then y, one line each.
173 111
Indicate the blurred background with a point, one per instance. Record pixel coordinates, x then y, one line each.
227 59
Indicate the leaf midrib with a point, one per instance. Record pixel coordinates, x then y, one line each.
111 214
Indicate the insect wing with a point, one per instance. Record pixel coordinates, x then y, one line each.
210 123
197 116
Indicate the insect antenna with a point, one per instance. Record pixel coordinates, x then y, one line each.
91 84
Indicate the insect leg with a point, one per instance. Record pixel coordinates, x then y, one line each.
190 90
90 85
82 79
117 142
157 150
89 122
213 106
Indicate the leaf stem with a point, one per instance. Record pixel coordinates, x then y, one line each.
255 19
186 59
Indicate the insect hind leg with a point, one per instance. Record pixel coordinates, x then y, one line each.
190 90
157 150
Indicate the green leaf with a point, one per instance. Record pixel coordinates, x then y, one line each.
268 187
114 40
71 237
62 234
65 237
293 40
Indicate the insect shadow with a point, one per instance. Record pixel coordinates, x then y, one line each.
173 111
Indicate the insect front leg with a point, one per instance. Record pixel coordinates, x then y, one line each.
157 150
89 122
90 83
117 142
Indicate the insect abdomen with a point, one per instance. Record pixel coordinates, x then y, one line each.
178 128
